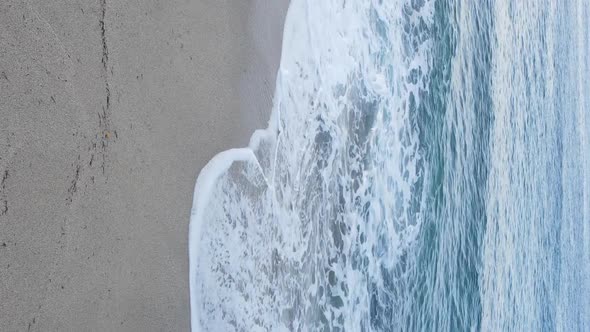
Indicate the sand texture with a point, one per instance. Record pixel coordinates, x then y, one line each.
108 110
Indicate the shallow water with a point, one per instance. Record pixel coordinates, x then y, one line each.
425 168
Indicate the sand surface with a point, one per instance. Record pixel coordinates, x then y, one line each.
108 110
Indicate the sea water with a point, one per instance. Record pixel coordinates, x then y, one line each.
426 167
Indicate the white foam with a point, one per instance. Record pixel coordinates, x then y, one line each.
267 230
206 180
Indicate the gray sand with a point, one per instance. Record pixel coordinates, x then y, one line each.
108 110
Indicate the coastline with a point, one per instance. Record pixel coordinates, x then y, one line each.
256 93
109 111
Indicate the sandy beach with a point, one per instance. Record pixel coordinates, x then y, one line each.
108 111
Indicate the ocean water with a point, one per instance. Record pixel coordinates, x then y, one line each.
426 167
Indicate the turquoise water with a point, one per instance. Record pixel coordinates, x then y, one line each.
426 167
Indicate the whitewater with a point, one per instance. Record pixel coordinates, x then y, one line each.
426 167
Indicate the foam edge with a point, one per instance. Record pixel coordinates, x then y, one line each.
216 167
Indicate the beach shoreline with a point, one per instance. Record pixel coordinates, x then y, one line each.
109 111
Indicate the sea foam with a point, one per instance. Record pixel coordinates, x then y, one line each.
287 232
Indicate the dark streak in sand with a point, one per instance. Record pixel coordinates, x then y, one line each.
4 206
104 121
105 53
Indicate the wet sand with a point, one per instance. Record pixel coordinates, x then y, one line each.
107 113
